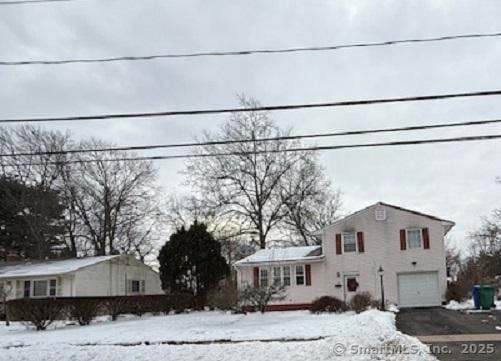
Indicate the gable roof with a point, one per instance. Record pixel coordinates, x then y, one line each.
446 223
283 254
48 268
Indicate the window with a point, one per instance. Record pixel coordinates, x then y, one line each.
287 275
27 288
134 286
380 214
40 288
52 288
300 275
263 277
349 242
143 286
413 238
277 276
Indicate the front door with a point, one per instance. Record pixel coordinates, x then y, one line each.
350 286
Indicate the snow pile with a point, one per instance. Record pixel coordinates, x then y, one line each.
466 305
459 306
393 308
370 335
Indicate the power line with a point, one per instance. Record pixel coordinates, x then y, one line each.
246 52
253 109
302 149
289 137
21 2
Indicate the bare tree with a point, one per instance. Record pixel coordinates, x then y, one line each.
115 202
259 297
487 238
311 204
185 210
109 207
254 186
453 260
5 293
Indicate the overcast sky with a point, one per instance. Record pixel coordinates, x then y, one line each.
453 181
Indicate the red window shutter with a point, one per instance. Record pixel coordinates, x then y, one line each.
403 240
338 243
426 238
256 276
360 242
307 271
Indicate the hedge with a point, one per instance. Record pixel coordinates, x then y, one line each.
41 312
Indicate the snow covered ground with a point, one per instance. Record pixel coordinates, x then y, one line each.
296 335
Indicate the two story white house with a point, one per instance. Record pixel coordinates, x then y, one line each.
403 246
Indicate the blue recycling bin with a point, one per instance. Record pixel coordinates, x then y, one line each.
475 292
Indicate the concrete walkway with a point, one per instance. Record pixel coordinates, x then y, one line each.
480 337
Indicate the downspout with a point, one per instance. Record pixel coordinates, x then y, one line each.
110 276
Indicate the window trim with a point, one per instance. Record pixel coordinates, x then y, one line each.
274 277
141 284
261 270
407 238
300 275
27 289
47 289
354 242
289 276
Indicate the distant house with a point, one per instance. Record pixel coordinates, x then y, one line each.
79 277
407 245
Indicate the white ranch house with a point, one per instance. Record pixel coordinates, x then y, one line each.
79 277
407 245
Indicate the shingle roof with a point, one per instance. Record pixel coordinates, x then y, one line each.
48 268
283 254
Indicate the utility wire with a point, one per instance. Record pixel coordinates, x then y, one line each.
269 139
302 149
254 109
22 2
246 52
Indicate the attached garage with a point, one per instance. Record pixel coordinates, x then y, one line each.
418 289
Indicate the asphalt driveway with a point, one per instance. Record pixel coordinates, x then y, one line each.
439 321
454 335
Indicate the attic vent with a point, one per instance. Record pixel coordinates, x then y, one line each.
380 214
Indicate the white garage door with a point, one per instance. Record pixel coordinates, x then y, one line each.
418 289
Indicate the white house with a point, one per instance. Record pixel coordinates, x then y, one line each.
79 277
408 247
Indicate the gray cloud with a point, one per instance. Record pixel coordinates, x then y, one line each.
455 181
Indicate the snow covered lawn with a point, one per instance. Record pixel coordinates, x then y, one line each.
296 335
